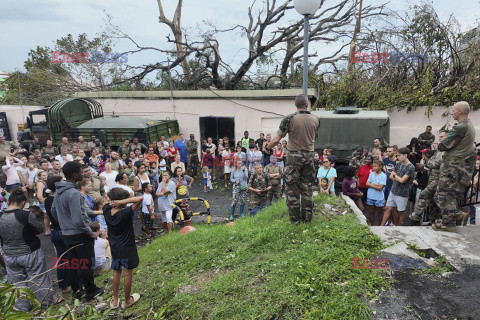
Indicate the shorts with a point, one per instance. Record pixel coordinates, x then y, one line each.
124 257
376 203
397 202
148 220
166 216
10 186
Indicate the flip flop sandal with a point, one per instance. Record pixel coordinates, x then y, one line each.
135 297
58 299
113 307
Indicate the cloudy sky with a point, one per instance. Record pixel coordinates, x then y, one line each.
26 24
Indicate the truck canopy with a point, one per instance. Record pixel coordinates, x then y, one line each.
67 114
345 132
84 117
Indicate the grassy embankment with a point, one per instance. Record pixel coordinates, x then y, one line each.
260 268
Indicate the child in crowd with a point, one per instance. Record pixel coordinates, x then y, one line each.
350 187
31 174
316 164
324 186
130 172
103 255
97 206
147 208
207 179
375 197
122 243
162 164
207 161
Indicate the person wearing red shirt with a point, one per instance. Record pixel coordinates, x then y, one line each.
363 174
172 151
151 156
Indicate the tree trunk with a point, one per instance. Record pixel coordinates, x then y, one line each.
354 38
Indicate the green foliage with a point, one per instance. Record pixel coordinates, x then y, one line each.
9 295
262 267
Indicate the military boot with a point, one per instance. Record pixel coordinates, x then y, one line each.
439 226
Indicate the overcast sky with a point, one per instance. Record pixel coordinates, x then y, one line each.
26 24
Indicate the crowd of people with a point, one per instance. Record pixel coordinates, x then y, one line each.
433 179
88 195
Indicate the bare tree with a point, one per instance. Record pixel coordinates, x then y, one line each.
176 28
268 33
358 17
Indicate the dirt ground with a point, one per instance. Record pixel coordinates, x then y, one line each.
415 296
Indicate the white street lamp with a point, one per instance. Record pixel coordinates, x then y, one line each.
306 8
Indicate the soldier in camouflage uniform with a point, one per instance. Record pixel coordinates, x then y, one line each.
64 144
275 174
259 185
302 128
426 197
358 159
456 170
192 156
49 149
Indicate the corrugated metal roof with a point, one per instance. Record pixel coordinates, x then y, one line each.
196 94
362 114
119 123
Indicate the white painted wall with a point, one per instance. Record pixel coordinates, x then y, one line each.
187 112
17 115
405 125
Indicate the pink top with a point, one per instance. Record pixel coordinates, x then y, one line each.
10 170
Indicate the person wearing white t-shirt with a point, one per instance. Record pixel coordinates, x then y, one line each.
109 175
122 182
64 157
147 208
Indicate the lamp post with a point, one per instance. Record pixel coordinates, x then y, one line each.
306 8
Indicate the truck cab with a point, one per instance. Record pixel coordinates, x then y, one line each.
36 126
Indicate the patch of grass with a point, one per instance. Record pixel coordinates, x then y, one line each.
261 268
442 265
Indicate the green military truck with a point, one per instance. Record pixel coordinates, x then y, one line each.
84 117
347 128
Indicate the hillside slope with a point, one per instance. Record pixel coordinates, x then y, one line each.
260 268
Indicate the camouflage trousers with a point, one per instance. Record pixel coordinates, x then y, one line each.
454 179
238 196
426 201
275 193
192 164
257 200
299 174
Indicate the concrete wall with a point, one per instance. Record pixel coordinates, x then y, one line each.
254 116
16 115
405 125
